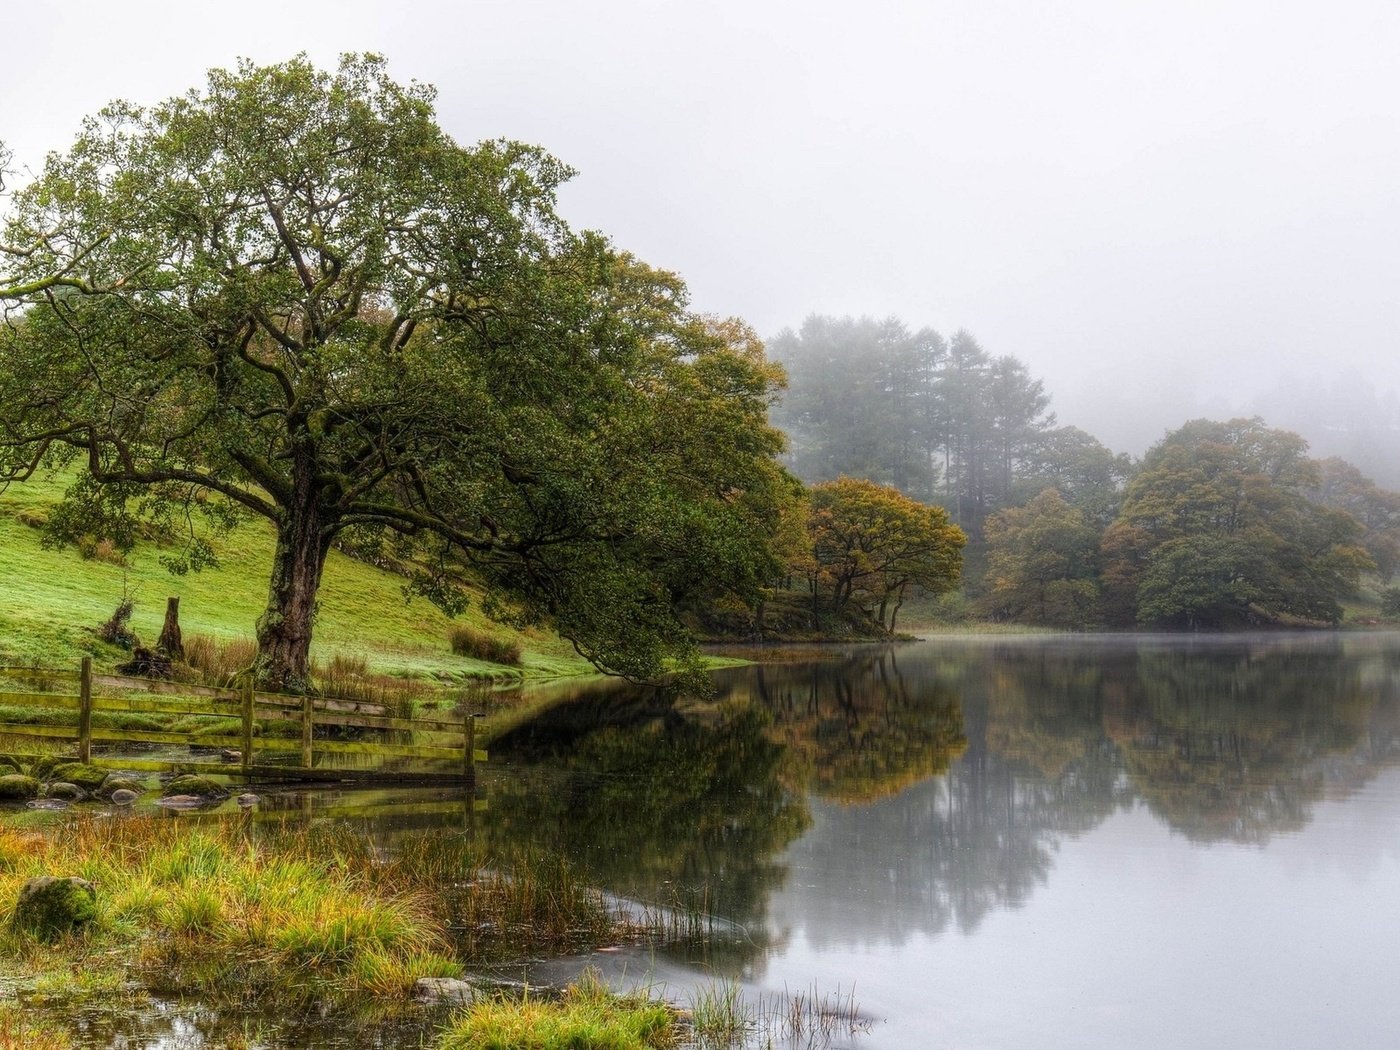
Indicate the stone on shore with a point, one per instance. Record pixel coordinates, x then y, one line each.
190 784
89 778
434 990
49 906
61 789
16 787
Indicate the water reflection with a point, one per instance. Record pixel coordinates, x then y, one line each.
940 780
657 801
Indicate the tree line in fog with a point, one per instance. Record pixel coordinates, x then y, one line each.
1220 524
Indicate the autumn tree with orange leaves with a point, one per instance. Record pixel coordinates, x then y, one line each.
872 546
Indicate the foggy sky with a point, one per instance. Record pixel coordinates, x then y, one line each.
1166 209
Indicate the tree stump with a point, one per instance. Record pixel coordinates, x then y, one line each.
170 643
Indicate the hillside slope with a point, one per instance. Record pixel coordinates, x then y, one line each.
51 601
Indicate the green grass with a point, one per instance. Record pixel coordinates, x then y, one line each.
309 915
53 599
587 1017
200 909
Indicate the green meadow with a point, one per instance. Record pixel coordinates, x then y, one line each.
52 600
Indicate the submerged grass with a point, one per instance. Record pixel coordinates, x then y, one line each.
18 1031
721 1018
508 906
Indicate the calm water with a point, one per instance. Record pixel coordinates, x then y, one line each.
1125 842
1107 842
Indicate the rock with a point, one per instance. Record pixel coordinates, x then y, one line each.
444 990
183 801
190 784
113 784
124 797
48 803
229 754
18 787
248 799
89 778
49 906
61 789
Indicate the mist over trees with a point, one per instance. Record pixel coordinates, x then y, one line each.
942 420
1221 524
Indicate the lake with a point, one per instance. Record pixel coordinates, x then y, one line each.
1052 841
1110 841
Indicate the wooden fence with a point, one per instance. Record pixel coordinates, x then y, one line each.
443 738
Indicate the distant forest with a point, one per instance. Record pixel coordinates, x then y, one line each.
1220 524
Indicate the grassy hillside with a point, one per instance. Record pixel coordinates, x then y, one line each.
51 600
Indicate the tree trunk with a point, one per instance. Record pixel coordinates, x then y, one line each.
284 629
898 604
170 643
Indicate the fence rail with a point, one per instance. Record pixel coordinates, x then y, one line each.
440 737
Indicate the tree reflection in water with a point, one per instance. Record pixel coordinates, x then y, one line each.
939 779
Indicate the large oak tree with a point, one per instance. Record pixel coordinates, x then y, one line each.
292 295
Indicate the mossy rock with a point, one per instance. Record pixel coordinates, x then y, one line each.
114 784
89 778
66 791
49 906
10 762
16 787
191 784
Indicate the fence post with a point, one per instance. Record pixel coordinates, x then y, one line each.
248 726
85 711
306 731
469 745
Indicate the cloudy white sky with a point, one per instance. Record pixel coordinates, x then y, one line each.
1164 208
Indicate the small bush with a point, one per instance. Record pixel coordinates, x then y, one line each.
107 551
117 630
467 641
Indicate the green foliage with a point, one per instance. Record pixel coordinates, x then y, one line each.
1217 531
291 295
1041 562
1086 474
